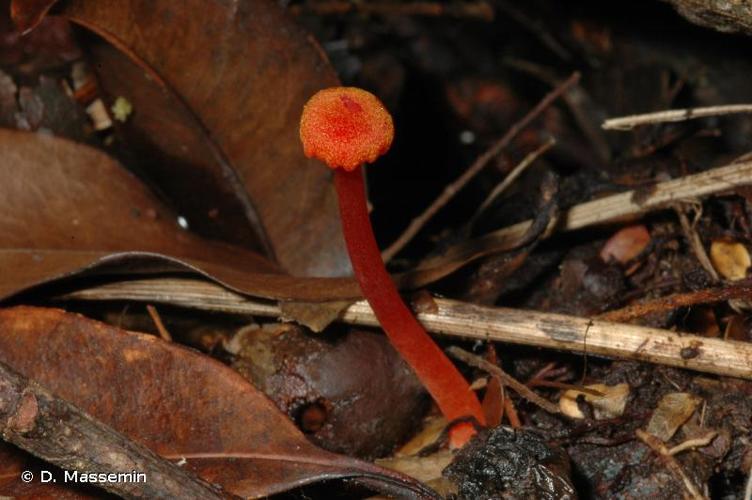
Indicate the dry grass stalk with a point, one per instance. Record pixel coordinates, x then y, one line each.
505 378
663 453
674 115
628 205
459 319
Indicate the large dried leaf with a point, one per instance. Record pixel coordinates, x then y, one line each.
60 195
24 269
179 403
672 412
66 207
217 98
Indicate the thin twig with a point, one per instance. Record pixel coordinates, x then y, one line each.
506 379
511 412
622 206
511 177
660 449
158 323
695 243
576 99
417 223
537 28
565 387
460 319
738 290
691 444
674 115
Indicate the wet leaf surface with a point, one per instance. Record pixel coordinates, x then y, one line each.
217 105
228 432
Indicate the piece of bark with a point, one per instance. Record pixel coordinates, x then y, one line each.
728 16
60 433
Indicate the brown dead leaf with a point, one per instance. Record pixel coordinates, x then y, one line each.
67 208
672 411
228 432
30 268
217 98
65 196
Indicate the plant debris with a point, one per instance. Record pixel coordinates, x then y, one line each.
566 208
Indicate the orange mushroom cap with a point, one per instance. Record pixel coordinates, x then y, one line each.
345 127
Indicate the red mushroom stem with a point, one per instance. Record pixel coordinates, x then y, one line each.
346 127
439 376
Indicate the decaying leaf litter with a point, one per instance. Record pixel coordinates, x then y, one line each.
605 288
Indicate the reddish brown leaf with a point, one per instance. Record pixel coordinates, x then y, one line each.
66 208
24 269
228 432
217 98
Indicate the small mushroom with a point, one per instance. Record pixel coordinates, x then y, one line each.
346 127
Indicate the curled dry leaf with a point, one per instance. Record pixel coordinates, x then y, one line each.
626 244
216 100
67 208
228 432
610 405
458 256
672 411
730 258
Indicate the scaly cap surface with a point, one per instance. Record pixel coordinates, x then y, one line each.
345 127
